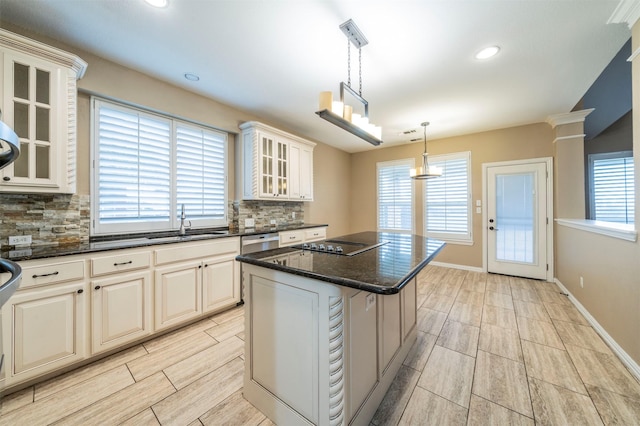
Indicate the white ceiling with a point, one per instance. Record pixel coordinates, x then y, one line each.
273 57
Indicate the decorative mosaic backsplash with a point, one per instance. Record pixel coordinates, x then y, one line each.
61 219
263 212
49 219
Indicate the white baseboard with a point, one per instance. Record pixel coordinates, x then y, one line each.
633 366
454 266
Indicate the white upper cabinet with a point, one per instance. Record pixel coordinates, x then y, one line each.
39 97
273 165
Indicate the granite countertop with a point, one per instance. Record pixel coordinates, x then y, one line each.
137 240
384 270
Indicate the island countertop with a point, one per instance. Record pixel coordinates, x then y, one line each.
385 269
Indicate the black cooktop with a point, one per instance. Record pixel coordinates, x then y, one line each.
339 247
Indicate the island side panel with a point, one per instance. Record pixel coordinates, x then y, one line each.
361 341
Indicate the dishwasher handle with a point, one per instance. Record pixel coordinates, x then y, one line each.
260 240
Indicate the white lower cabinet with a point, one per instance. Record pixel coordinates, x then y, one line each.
220 283
121 310
47 330
61 314
178 294
299 236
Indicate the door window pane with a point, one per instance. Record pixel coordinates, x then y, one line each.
20 81
42 86
21 119
515 217
21 165
42 124
42 162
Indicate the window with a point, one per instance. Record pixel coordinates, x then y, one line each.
448 199
395 196
146 165
611 185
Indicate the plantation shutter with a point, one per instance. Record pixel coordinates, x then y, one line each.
613 188
133 163
447 198
395 196
201 172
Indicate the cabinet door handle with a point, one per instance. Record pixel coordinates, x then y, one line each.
206 265
97 287
199 266
123 263
45 275
80 291
6 178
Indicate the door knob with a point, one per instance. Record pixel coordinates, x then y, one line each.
490 220
491 228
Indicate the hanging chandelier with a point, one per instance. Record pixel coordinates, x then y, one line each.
425 172
341 114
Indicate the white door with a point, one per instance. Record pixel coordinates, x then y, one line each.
517 219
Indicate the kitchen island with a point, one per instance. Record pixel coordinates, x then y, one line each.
327 325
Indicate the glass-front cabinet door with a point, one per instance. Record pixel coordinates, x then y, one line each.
39 96
266 164
274 167
31 98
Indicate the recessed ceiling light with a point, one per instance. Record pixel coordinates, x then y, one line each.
191 77
157 3
487 52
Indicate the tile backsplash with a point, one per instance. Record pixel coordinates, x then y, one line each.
50 219
263 212
54 219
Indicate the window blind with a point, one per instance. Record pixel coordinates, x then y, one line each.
201 172
395 196
447 198
133 166
613 188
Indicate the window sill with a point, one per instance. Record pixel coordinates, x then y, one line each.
610 229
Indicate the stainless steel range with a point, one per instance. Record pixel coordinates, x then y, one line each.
339 247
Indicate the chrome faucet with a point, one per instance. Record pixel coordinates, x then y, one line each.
183 216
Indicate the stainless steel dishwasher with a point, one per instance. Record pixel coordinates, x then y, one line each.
254 243
259 242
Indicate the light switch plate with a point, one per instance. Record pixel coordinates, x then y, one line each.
249 223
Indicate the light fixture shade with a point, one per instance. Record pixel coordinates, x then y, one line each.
426 171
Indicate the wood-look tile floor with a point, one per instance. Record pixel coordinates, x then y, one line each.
491 350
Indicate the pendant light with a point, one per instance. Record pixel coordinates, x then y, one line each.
341 114
425 172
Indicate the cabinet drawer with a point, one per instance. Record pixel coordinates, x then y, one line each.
315 234
52 273
288 238
188 251
119 263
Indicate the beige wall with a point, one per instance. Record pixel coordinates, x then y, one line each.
331 189
610 267
516 143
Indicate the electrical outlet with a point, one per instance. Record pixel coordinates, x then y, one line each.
273 222
20 240
581 282
249 223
